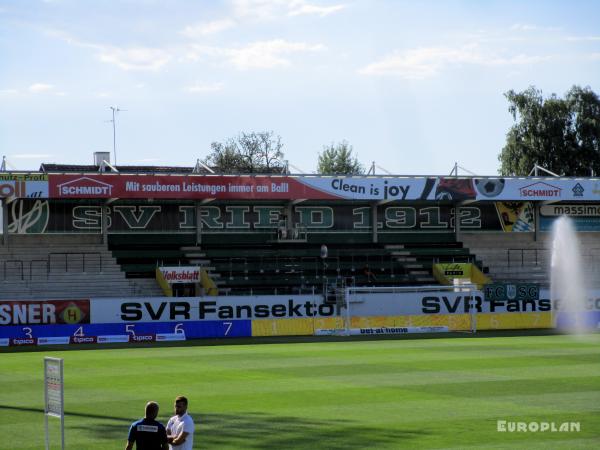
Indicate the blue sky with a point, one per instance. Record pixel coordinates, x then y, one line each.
413 85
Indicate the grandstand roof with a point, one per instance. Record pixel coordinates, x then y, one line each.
76 168
171 170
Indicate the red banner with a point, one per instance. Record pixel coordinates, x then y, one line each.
182 187
44 312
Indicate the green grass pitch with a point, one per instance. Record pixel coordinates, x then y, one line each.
337 394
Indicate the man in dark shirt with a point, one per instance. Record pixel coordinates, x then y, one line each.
147 433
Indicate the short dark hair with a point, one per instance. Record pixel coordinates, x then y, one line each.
151 410
182 399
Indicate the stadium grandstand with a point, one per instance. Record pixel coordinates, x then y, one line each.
75 230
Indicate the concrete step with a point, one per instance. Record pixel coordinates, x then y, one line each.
405 258
200 262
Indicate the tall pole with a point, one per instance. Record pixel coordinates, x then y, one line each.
115 109
114 134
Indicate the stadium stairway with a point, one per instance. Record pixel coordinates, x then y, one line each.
52 267
257 263
286 268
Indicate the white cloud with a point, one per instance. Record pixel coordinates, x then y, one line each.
199 88
523 27
268 54
259 9
299 8
207 28
423 63
271 54
273 9
9 91
530 27
582 38
136 58
37 88
132 58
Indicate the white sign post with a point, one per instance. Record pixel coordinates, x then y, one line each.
54 396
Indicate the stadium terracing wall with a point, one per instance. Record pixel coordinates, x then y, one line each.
109 320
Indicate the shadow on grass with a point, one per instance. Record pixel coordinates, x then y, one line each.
266 431
255 430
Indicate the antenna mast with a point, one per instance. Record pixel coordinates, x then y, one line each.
115 109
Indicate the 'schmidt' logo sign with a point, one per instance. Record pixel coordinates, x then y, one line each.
84 186
540 189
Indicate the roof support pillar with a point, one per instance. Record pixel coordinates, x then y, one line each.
4 224
536 220
105 211
374 222
289 213
457 222
198 224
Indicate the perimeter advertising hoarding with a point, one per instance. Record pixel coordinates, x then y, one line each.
239 187
138 319
23 185
195 187
182 309
167 309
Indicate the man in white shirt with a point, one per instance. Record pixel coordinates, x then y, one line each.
180 428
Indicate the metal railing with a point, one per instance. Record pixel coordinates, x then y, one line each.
18 263
522 257
69 256
46 267
23 269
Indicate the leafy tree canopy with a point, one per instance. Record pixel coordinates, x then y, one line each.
338 159
559 134
255 152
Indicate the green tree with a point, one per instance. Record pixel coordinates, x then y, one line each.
338 159
255 152
559 134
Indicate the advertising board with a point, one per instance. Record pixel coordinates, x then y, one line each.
156 319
